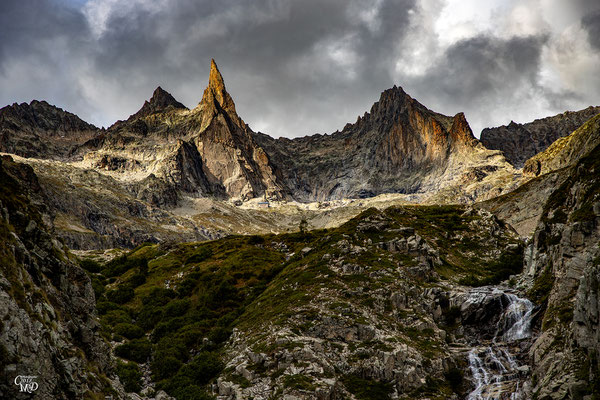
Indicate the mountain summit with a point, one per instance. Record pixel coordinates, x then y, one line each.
160 101
399 146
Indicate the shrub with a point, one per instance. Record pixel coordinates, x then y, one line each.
255 239
98 287
165 327
219 335
176 308
186 287
204 367
121 294
129 331
115 317
90 265
137 279
120 265
201 254
137 350
130 376
365 389
158 297
164 367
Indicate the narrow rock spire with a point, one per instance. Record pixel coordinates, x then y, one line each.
215 79
215 95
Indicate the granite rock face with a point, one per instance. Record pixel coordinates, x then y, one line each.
519 142
207 151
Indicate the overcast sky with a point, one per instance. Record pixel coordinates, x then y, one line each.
300 67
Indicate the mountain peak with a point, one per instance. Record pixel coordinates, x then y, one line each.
160 101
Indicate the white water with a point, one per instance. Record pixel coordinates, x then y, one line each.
494 368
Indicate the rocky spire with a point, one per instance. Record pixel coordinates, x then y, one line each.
160 101
216 97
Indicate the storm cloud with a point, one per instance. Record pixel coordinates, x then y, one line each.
299 67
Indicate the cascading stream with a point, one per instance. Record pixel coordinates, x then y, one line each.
494 368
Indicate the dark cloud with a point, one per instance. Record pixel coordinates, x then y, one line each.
480 75
289 65
294 67
30 27
591 23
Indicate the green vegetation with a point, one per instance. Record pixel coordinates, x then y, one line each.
299 382
166 304
509 263
130 376
540 291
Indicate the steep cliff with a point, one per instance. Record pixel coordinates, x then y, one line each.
48 326
520 142
563 263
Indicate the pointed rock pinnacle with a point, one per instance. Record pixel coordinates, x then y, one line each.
215 93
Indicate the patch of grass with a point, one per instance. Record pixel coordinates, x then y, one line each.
298 382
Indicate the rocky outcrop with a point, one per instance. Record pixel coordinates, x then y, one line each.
519 142
41 130
565 151
546 171
48 327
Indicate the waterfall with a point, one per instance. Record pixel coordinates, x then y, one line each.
494 368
